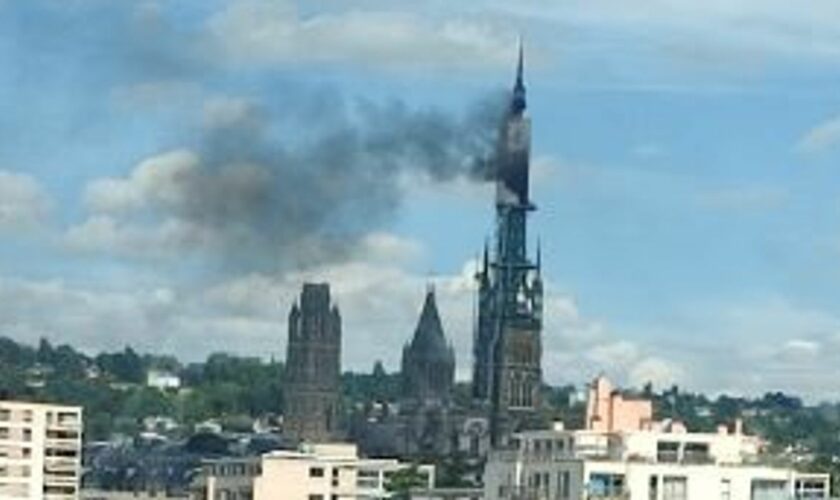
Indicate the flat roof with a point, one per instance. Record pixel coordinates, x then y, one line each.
35 404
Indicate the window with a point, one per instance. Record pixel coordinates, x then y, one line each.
316 472
606 485
653 488
808 489
725 489
316 497
667 451
674 488
769 489
563 486
697 453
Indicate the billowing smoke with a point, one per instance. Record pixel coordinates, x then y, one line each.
297 202
270 183
274 191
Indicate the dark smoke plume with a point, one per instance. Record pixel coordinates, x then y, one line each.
263 202
276 187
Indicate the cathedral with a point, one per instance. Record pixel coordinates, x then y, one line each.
313 367
428 362
507 341
507 349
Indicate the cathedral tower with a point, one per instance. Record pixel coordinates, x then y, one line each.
507 347
313 366
428 362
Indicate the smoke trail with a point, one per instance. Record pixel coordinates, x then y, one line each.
266 186
249 200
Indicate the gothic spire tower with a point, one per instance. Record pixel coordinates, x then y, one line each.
313 366
507 348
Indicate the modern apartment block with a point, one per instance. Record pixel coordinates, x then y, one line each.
314 472
40 451
630 457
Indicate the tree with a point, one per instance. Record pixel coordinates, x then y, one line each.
124 366
401 482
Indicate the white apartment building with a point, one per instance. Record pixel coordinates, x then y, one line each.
314 472
631 457
40 451
163 380
641 465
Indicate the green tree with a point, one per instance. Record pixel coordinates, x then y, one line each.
400 483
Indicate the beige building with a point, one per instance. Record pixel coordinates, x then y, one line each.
607 410
129 495
314 472
638 459
40 451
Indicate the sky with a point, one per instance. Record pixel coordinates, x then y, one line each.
172 172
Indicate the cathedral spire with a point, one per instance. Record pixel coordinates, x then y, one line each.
518 103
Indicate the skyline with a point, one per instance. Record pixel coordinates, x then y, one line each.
682 170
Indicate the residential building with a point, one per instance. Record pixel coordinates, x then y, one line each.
40 451
163 380
610 411
654 461
447 494
313 472
130 495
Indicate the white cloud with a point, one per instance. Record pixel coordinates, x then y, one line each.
23 202
799 350
751 346
157 95
221 112
106 234
744 199
749 32
157 179
822 137
276 31
377 292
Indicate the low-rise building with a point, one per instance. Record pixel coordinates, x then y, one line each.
625 457
163 380
313 472
91 494
40 451
447 494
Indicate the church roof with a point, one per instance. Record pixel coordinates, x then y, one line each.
429 339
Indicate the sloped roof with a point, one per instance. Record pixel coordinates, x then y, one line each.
429 339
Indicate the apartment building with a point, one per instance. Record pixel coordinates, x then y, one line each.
40 451
313 472
631 457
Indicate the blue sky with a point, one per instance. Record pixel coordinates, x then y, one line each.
684 154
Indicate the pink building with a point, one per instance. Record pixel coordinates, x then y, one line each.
608 411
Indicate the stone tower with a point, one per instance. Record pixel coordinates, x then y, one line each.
313 366
507 347
428 362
